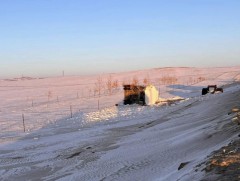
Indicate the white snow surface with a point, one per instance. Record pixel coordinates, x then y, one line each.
106 142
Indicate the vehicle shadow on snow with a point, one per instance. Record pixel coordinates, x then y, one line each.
184 91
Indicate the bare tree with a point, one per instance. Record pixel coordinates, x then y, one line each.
99 86
109 85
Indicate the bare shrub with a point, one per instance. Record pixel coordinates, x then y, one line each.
115 84
146 81
167 80
124 83
200 79
109 85
135 81
190 80
95 91
89 92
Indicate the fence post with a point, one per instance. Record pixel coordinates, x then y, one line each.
98 104
71 110
23 122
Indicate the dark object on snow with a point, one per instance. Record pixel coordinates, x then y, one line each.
134 94
182 165
211 89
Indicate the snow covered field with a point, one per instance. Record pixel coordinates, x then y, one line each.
114 143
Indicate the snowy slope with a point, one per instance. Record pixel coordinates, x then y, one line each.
122 143
46 100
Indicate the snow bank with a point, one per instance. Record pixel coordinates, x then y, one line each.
151 95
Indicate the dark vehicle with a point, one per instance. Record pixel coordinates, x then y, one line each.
211 89
134 94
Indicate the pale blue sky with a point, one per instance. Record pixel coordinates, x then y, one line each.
44 37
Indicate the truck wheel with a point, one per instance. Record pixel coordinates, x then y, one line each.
204 91
219 89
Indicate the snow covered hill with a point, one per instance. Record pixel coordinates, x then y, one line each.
100 141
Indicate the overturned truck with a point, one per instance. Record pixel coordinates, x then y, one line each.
137 94
211 89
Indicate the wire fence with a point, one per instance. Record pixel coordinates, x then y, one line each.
37 111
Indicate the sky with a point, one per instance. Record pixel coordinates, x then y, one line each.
45 37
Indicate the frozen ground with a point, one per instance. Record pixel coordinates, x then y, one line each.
114 143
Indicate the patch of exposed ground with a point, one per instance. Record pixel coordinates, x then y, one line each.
224 164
